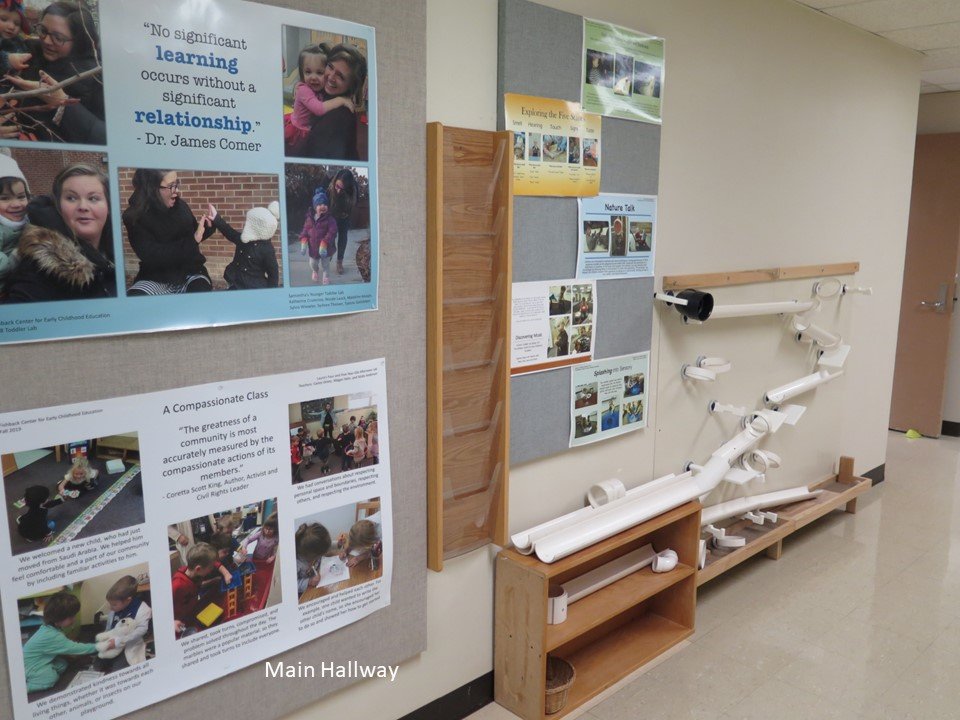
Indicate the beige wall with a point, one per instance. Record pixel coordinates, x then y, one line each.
939 113
787 139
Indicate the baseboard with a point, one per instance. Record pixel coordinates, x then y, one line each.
948 427
877 475
459 703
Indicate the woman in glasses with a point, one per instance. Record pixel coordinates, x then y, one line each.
68 46
165 236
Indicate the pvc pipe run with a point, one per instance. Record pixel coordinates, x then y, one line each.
807 330
732 508
667 298
769 308
799 386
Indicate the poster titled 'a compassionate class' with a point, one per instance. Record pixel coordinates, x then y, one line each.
184 164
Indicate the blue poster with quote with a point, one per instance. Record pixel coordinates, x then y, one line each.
184 164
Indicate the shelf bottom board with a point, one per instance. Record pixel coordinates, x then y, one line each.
617 654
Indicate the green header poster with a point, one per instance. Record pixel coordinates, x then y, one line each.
622 72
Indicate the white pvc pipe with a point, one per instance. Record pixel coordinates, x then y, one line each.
524 540
809 331
799 386
608 573
630 511
732 508
768 308
672 299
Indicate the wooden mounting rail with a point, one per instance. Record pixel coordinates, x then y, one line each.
747 277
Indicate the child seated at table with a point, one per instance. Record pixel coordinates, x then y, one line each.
312 542
42 661
358 546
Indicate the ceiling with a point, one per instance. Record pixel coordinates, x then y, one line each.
930 26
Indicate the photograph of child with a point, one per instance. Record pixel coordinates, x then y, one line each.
224 566
51 54
53 247
535 139
623 83
324 95
633 412
560 299
520 145
618 239
585 424
573 150
583 336
555 148
585 395
331 435
646 79
74 634
591 152
66 492
582 304
596 236
328 219
610 417
599 69
180 231
559 337
338 549
633 385
641 236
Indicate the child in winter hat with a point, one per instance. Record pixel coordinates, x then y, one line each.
254 263
14 196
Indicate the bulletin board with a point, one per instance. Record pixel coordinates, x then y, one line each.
540 53
61 372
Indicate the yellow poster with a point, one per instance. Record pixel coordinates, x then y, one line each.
556 146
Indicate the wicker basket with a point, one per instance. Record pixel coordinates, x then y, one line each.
560 676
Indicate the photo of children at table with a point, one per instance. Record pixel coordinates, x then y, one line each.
224 566
72 491
326 566
314 450
74 634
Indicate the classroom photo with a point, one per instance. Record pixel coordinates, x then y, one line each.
224 566
328 225
187 231
72 490
76 633
332 435
585 395
325 103
641 236
338 549
585 424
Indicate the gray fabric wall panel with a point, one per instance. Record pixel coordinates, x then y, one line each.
55 373
630 157
540 51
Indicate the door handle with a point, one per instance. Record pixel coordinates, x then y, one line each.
940 304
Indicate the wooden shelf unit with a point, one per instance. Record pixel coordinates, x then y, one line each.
607 635
469 275
840 490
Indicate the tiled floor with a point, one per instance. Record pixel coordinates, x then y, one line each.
859 619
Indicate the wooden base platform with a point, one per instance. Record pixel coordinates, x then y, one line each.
839 491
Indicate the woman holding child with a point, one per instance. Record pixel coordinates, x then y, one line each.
66 252
165 236
334 134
